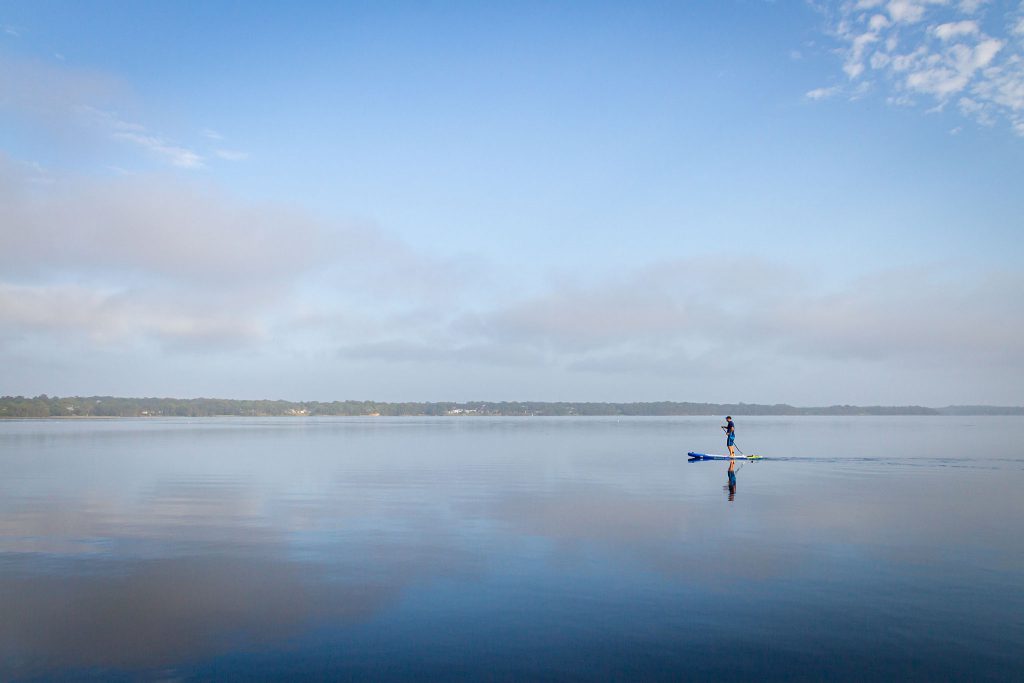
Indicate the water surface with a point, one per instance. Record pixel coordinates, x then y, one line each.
511 548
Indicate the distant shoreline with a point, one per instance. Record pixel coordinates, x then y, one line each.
85 407
88 418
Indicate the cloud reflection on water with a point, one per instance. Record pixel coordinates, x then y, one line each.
152 614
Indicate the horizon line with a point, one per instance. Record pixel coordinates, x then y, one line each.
44 396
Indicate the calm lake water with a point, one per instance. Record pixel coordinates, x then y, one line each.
512 549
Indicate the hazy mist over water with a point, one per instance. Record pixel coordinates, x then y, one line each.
511 548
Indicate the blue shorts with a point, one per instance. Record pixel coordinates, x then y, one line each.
731 440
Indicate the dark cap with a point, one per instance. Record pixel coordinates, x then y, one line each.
728 417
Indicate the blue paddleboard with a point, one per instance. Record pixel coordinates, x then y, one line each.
705 456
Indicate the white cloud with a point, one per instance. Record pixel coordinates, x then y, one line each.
677 324
181 264
854 64
982 54
82 101
934 49
940 81
907 11
969 106
136 134
663 318
904 62
878 22
822 93
972 6
665 310
130 265
175 155
976 110
947 73
879 60
149 226
1003 86
108 316
953 29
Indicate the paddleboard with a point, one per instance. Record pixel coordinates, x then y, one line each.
705 456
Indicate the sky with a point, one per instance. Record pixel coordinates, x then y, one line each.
740 201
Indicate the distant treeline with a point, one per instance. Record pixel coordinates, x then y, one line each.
112 406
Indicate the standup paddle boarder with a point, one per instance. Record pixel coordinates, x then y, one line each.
730 436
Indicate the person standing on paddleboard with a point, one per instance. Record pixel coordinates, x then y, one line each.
730 436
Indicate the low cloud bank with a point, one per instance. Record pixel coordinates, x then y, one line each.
150 267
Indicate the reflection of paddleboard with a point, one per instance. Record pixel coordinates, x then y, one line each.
705 456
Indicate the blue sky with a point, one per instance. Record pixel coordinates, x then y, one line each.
733 201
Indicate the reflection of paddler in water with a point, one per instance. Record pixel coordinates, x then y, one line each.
732 479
